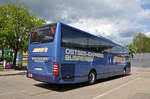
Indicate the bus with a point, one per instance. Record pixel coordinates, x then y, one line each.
61 54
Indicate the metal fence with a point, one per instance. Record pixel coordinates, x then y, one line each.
141 59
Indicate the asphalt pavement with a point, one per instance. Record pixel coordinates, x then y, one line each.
134 86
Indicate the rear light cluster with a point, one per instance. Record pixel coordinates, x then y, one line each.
55 68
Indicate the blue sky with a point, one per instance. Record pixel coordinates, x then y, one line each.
118 20
146 6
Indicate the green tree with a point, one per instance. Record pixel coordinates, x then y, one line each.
3 22
141 42
17 22
132 48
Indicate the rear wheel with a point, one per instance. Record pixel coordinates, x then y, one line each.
91 77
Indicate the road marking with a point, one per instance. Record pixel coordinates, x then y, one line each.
112 90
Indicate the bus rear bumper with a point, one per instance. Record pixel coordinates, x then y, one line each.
43 78
52 79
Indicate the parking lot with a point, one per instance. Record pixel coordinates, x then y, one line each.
134 86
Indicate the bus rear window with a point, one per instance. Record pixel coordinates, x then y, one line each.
43 34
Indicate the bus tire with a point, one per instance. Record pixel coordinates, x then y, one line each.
91 77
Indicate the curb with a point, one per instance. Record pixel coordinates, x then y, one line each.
13 74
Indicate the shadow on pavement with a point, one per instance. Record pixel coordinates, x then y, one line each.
68 87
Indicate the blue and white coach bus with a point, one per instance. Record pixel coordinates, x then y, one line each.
62 54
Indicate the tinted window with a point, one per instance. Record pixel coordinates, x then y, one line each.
119 50
43 34
76 39
97 44
73 38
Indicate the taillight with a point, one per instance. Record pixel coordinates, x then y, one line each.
55 68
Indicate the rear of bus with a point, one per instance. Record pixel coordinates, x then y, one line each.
43 53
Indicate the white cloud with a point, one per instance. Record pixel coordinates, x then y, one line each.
144 15
147 34
118 20
98 27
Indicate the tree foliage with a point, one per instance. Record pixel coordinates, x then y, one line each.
15 24
140 44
